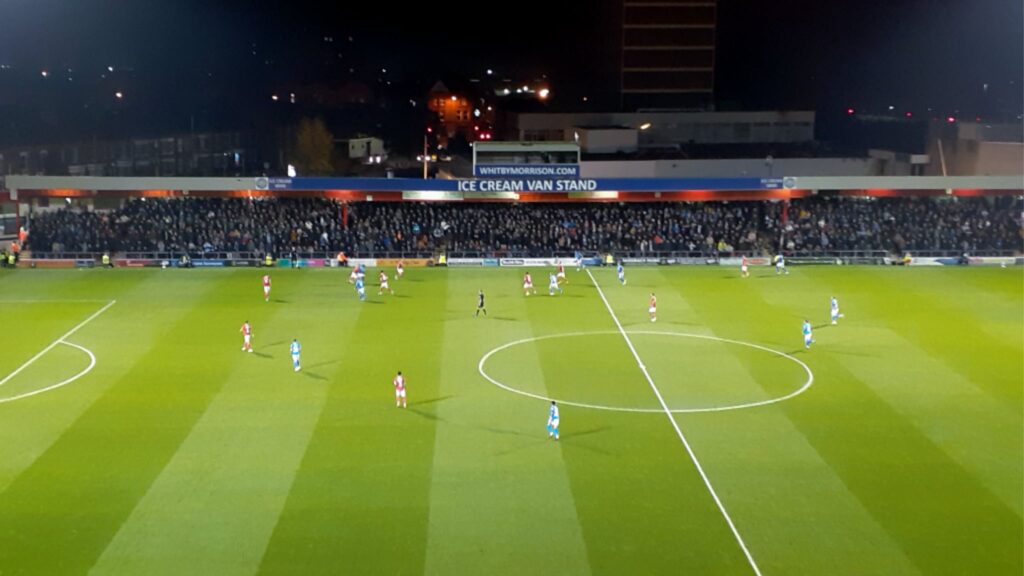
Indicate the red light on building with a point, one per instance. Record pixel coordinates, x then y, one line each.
950 119
850 111
909 114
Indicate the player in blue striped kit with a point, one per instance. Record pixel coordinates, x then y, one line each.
808 339
296 350
361 288
780 265
553 421
553 285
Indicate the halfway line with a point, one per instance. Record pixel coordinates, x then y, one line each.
672 419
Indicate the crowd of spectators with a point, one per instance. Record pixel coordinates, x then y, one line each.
193 225
268 225
965 225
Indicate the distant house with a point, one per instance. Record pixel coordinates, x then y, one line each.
367 149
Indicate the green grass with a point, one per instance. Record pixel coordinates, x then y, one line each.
179 454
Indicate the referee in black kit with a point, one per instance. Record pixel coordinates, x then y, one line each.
480 304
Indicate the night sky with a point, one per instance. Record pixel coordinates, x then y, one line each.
179 62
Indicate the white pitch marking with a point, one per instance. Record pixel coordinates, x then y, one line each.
807 384
51 301
92 363
679 432
57 341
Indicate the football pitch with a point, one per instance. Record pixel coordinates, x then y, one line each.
137 438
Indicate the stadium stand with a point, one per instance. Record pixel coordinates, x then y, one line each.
809 226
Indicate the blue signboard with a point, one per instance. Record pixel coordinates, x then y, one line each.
526 184
565 171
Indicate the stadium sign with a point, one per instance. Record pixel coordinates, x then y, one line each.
553 261
525 184
527 171
528 185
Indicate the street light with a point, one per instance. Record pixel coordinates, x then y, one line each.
645 125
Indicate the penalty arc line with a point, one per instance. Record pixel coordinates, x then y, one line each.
92 363
679 432
54 344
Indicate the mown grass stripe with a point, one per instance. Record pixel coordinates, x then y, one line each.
361 495
517 480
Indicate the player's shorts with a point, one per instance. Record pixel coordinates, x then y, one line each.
622 275
743 268
384 286
560 275
247 337
399 393
554 424
362 291
652 310
807 338
266 289
527 285
295 357
552 286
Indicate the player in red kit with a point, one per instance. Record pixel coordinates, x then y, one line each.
399 383
384 284
399 269
266 287
561 274
653 308
528 284
246 331
744 271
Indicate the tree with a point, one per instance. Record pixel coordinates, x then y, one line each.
313 148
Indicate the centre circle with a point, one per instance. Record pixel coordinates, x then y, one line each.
714 375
